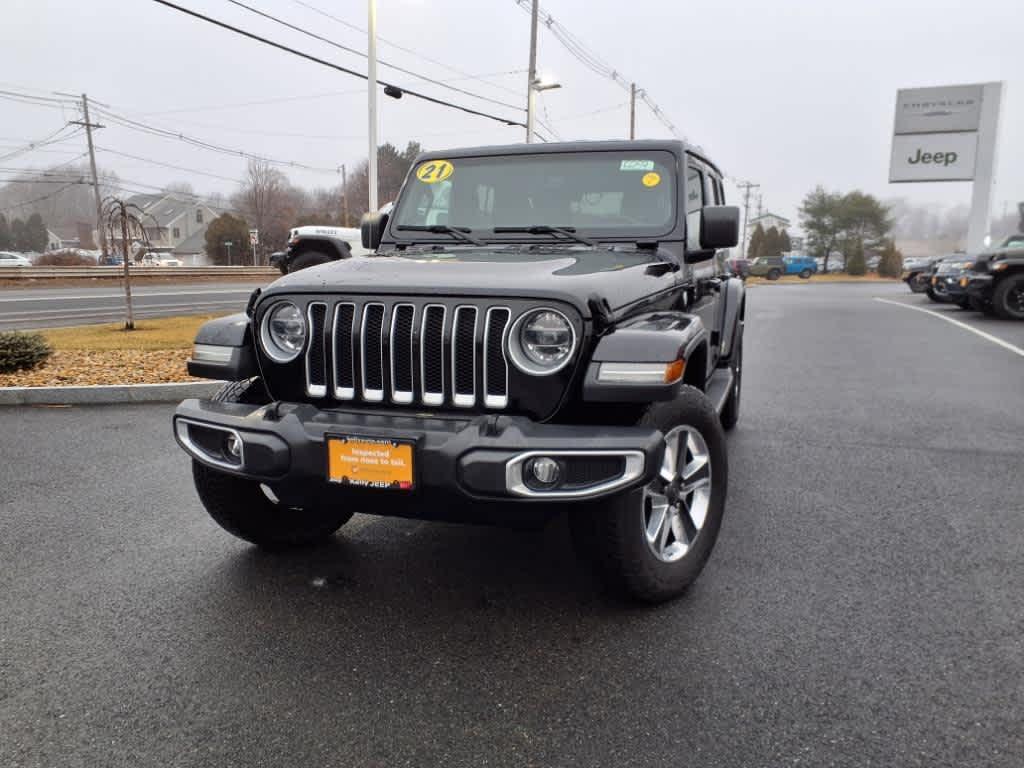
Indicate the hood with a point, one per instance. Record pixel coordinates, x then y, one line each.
572 274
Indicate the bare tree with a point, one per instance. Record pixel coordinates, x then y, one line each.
125 220
266 199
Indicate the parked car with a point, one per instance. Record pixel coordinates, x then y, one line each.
917 272
170 261
738 267
313 245
8 259
110 260
774 267
944 285
502 366
995 284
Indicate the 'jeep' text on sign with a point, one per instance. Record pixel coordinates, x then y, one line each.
933 157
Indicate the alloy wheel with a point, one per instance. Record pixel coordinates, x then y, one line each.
675 504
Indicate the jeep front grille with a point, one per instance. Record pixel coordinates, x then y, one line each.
404 353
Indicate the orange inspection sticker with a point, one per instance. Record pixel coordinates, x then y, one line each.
434 171
651 179
370 462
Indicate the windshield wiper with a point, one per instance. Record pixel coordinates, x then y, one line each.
544 229
461 233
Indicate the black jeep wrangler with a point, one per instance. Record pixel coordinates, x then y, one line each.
995 283
542 328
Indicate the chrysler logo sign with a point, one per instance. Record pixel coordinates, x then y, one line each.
938 110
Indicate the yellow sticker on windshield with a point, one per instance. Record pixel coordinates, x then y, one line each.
651 179
434 171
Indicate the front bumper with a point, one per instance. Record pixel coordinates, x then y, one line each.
978 286
461 460
948 285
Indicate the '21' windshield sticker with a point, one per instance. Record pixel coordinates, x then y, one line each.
434 171
636 165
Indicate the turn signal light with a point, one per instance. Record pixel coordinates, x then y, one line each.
642 373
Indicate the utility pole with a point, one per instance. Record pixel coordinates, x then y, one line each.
89 125
531 76
746 186
632 110
344 195
371 81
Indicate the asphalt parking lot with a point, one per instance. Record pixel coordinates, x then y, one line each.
863 606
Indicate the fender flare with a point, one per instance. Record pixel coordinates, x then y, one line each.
234 334
734 296
655 337
336 248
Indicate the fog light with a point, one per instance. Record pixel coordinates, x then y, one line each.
233 447
545 471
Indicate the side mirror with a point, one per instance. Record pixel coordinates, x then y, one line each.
719 227
372 228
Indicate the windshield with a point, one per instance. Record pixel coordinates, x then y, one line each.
614 194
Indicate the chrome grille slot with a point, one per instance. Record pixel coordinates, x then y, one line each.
432 354
495 364
401 353
344 352
372 352
316 351
464 357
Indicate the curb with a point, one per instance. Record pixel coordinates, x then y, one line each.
104 394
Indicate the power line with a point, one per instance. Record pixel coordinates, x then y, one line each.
410 51
381 62
40 199
126 122
165 165
43 142
593 62
331 65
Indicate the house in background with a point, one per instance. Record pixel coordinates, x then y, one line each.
176 224
59 238
767 221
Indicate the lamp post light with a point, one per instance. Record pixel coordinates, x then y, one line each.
537 85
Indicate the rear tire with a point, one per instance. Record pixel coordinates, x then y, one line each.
1008 298
805 274
774 274
245 509
651 543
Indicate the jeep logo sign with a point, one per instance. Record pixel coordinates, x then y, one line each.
933 157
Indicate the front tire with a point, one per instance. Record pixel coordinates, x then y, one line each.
651 543
935 297
917 284
245 508
805 274
1008 298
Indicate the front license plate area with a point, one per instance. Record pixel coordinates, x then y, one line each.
382 463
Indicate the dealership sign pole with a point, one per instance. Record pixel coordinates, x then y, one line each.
949 134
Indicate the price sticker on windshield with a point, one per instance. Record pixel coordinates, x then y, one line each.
651 179
434 171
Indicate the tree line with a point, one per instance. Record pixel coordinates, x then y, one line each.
850 224
773 242
28 236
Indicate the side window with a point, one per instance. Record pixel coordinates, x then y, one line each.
199 215
694 202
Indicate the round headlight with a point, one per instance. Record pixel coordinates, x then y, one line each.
284 332
542 342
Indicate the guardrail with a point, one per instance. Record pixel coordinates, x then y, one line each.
113 273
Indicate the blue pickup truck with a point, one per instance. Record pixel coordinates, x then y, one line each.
774 267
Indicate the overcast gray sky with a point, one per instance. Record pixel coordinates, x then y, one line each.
789 93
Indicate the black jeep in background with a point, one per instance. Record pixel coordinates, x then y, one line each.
542 328
995 283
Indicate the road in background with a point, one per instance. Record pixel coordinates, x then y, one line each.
862 606
52 307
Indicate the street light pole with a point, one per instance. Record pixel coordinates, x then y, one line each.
531 76
371 82
632 111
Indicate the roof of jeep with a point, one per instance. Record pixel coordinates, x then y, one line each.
553 147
